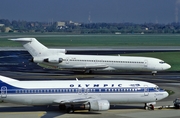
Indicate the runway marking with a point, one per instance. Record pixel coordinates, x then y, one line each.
125 110
41 114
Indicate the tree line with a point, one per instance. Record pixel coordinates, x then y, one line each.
89 28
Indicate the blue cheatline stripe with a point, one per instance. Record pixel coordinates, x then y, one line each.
16 90
79 90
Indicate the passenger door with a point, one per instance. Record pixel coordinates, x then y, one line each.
3 92
146 90
67 60
146 63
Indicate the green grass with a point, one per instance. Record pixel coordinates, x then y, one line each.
97 40
172 58
170 92
50 40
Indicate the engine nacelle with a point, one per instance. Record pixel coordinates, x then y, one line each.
48 60
99 105
53 60
37 60
94 105
56 51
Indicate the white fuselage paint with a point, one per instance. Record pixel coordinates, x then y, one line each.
49 58
51 92
112 62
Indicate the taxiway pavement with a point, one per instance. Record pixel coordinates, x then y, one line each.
169 81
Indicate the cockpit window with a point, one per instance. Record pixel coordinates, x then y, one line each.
161 62
156 88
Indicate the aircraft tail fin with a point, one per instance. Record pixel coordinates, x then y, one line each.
34 47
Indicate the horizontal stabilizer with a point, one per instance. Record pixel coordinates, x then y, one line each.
22 39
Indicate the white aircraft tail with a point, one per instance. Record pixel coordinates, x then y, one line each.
36 49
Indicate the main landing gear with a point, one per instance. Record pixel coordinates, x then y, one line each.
148 106
153 73
84 72
88 72
66 108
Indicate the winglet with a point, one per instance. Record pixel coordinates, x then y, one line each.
77 79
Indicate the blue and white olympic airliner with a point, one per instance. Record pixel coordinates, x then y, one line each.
71 95
57 59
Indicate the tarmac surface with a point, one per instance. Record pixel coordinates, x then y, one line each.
169 81
16 64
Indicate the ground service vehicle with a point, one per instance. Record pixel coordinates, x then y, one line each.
177 103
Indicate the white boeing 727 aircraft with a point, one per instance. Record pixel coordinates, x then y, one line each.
57 59
70 95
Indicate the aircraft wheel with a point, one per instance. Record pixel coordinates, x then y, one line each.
146 107
62 107
154 73
152 107
70 110
90 72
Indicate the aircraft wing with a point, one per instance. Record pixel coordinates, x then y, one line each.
79 100
90 66
80 67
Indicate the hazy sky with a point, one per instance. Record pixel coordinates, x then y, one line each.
114 11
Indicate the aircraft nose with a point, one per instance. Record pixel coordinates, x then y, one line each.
168 66
166 94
